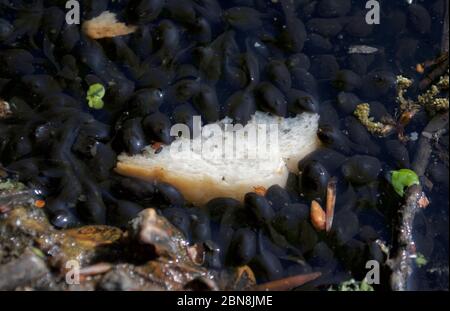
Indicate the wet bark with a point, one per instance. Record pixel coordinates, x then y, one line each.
401 264
436 127
445 34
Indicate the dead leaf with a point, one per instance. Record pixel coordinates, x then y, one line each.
288 283
318 217
95 235
331 202
260 190
423 201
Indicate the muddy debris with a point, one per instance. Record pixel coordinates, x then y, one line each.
34 255
22 271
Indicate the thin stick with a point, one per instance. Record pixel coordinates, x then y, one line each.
422 157
287 283
445 34
331 202
401 264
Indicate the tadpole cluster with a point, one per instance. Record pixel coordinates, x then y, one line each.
214 59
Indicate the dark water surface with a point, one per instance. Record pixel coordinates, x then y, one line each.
46 67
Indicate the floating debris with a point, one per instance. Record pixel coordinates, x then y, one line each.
420 68
5 109
39 203
331 202
106 26
362 112
288 283
157 63
318 216
353 286
435 69
260 190
150 228
430 99
96 269
362 49
403 84
413 136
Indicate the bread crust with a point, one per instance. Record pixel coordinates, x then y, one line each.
292 162
106 26
199 179
200 189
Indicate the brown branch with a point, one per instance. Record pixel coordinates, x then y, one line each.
287 283
445 34
431 132
401 264
415 199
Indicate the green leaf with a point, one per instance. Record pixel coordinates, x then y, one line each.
365 286
421 260
402 179
353 286
94 96
96 90
10 186
38 252
96 103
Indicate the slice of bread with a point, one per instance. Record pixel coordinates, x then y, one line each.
106 25
201 175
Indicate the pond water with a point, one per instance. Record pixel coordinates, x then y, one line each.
325 48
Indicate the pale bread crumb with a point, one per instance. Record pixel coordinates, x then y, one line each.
5 109
201 180
106 26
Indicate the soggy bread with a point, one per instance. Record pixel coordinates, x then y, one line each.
106 26
201 177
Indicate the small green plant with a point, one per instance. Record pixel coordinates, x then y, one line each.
95 96
421 260
38 252
353 286
8 185
402 179
362 112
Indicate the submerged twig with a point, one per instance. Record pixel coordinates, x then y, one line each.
415 199
287 283
432 131
401 264
445 33
437 68
331 202
98 268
